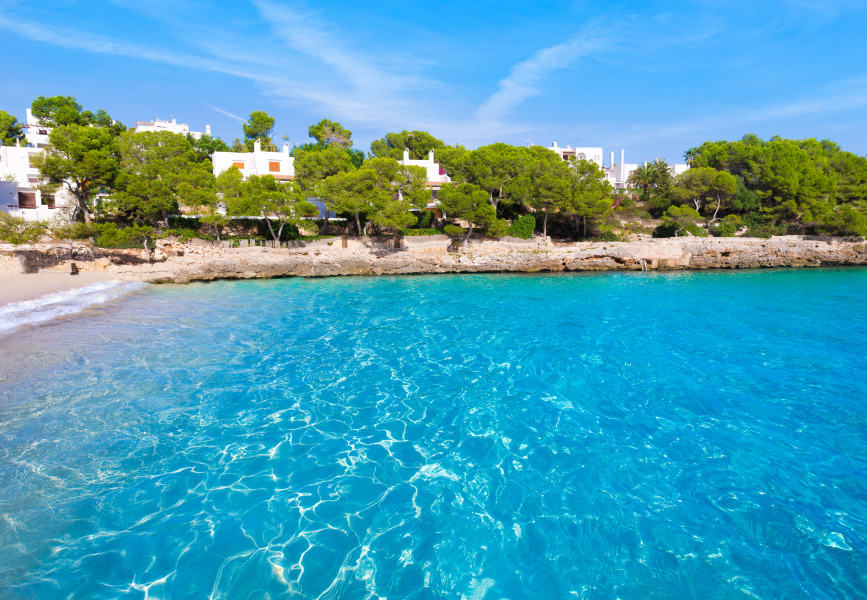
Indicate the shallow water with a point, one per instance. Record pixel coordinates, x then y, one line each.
664 435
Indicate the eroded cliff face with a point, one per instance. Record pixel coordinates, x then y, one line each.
181 263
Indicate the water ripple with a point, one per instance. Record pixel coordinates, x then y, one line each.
463 437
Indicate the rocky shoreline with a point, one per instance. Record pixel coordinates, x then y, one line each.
174 262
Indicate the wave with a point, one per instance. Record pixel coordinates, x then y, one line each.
58 304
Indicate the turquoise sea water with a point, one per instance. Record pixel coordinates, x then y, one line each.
642 435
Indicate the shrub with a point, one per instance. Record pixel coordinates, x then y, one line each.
696 230
109 235
497 228
667 230
759 232
454 230
522 227
425 220
727 227
17 230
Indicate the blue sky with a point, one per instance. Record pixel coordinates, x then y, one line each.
652 77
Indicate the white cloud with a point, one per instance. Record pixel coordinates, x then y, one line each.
524 78
227 113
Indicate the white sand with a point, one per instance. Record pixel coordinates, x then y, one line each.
15 288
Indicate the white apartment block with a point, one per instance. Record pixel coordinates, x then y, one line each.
257 162
35 132
171 126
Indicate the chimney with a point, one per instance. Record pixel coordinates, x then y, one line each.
622 165
257 146
207 130
406 154
611 164
286 148
430 155
174 121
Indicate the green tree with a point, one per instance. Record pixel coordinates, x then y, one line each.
10 129
399 188
205 146
260 126
419 143
227 189
273 201
550 186
82 158
744 200
58 111
159 171
353 192
704 186
330 133
314 166
591 194
470 203
681 217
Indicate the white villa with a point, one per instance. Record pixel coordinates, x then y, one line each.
434 179
257 162
172 126
19 179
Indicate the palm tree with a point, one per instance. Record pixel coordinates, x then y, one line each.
642 177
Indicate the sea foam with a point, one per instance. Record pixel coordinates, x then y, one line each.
58 304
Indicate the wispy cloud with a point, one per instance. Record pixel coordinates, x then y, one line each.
348 84
524 78
227 113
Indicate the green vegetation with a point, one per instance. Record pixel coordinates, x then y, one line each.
523 227
17 231
146 180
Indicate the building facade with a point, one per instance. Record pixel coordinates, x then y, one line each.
171 126
20 195
435 176
257 162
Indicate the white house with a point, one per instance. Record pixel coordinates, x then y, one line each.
435 176
594 154
257 162
172 126
19 179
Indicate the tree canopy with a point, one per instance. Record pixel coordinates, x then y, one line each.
82 158
158 172
260 126
392 145
57 111
10 129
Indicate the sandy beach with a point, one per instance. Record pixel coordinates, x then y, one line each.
15 288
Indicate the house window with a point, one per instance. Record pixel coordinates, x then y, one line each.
26 200
48 201
435 194
32 179
274 166
239 165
